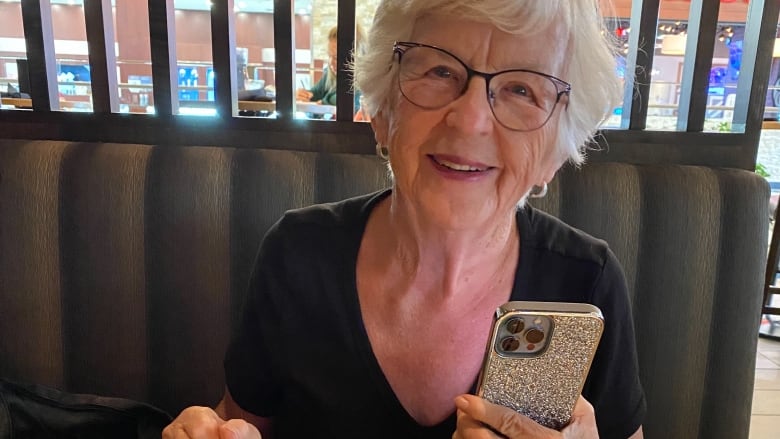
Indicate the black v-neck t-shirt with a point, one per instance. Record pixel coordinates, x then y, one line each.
301 354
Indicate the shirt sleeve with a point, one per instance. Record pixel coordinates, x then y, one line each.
613 386
320 89
252 372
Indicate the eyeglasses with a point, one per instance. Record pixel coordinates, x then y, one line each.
521 100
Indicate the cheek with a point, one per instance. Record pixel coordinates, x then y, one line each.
409 127
531 156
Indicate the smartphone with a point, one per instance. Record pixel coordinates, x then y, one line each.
538 356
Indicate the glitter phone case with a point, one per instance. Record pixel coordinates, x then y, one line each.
538 356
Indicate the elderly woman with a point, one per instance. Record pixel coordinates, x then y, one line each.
369 317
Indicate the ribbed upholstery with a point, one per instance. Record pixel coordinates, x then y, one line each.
692 241
123 267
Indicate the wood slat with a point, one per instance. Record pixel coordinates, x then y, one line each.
641 47
223 47
694 89
284 44
753 82
162 30
102 59
345 97
41 62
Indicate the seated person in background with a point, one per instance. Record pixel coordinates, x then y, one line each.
324 91
369 317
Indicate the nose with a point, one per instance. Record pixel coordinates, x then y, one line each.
471 113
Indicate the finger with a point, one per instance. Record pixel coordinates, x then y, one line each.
583 421
196 423
502 419
238 429
174 431
470 428
182 431
582 408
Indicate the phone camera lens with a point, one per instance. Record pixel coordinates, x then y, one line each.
534 335
509 344
515 326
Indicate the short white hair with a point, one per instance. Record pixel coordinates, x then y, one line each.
591 55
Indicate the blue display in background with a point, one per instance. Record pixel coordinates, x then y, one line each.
80 72
72 73
188 76
210 83
718 76
620 67
735 60
139 79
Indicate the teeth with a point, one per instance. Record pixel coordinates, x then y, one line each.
458 167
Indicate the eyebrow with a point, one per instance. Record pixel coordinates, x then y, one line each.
513 65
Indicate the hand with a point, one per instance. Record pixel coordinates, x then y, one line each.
204 423
474 413
303 95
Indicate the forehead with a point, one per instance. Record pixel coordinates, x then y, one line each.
484 47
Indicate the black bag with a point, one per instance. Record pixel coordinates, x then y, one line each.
39 412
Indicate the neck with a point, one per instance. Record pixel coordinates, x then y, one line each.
445 262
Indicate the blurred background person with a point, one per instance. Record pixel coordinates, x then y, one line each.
324 91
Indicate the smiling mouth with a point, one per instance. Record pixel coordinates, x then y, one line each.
457 166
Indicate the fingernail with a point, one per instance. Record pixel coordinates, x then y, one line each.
461 403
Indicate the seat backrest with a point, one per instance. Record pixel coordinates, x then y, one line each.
123 267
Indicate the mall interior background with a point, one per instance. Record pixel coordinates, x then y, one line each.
314 18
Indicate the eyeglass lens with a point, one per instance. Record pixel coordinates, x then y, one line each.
431 78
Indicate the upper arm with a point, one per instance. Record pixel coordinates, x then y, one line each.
229 409
638 434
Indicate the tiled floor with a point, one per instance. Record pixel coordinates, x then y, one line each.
765 421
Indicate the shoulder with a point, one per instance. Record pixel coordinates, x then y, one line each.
559 262
325 222
331 215
550 234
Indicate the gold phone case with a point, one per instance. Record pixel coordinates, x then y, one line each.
541 382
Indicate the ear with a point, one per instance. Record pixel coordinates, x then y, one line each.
379 124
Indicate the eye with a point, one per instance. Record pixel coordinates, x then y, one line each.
519 90
442 72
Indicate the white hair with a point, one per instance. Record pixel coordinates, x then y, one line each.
590 67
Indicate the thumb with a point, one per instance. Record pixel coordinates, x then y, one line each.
501 419
238 429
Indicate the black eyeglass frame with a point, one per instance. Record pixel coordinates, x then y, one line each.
561 87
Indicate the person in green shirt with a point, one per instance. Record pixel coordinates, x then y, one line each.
324 91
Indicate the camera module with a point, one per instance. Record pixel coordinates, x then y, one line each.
510 344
